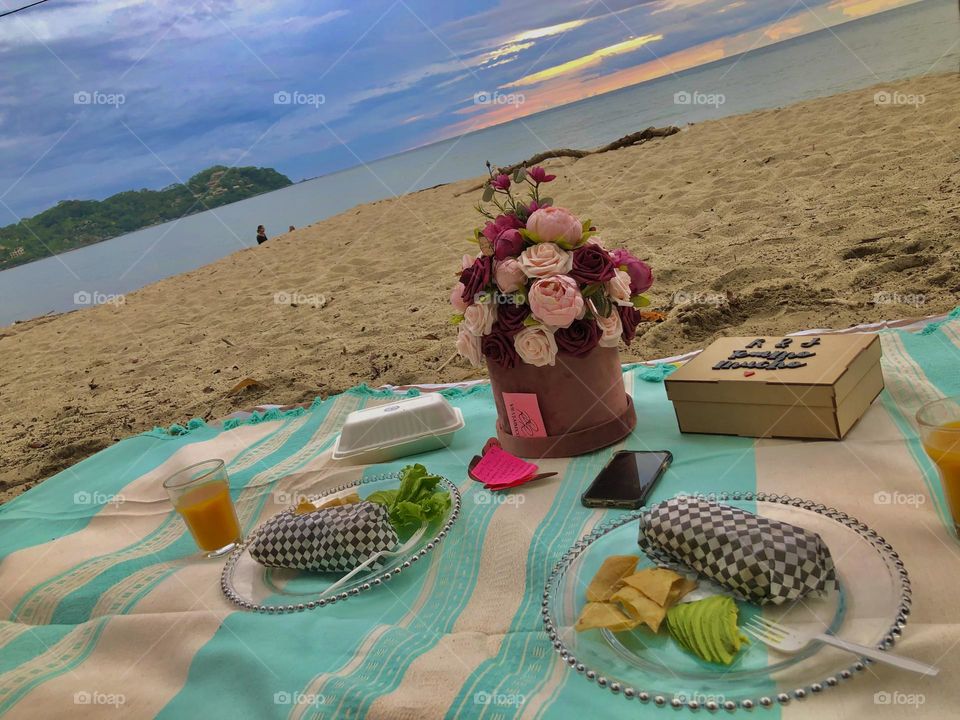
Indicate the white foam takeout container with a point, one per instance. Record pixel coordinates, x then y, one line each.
401 428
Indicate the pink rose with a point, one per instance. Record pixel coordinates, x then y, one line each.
641 276
554 224
478 318
556 301
610 329
509 275
468 345
536 346
618 288
545 259
456 297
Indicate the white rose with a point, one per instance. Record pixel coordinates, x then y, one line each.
478 318
536 346
618 288
610 328
545 260
468 345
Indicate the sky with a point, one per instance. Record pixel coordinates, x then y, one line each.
99 96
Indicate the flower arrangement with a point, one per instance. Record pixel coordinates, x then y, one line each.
542 283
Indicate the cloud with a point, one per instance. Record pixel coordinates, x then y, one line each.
586 61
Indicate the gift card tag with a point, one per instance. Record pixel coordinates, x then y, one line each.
523 412
500 468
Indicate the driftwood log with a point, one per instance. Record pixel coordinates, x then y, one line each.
626 141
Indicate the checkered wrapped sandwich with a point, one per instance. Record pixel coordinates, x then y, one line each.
759 559
330 539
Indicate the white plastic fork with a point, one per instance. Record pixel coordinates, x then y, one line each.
789 640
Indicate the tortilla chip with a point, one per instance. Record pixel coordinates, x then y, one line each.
655 583
305 506
350 499
680 588
639 607
613 570
604 615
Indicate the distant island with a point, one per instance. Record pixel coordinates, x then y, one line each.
72 224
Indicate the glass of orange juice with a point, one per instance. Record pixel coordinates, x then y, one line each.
939 423
201 494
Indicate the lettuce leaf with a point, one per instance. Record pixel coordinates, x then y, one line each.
416 501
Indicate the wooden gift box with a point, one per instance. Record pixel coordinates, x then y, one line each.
814 386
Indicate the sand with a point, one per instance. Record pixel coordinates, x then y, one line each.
827 213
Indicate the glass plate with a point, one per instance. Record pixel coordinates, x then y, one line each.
254 587
870 608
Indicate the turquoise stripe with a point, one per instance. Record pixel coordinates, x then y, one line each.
938 357
49 510
383 668
526 658
346 626
75 608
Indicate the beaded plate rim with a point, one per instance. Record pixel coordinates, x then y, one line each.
883 548
226 576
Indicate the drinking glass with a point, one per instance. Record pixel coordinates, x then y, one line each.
201 494
939 423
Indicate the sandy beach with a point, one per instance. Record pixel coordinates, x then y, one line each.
827 213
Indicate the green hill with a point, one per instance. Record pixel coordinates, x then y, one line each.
75 223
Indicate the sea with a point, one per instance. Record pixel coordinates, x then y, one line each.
909 41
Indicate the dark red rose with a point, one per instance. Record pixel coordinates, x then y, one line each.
509 243
476 278
498 347
510 316
580 338
592 264
629 318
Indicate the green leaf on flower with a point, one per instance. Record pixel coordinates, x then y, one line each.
546 201
640 301
591 289
456 319
519 174
603 304
520 297
488 192
527 235
585 225
530 321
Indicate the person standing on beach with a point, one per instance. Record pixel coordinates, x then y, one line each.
261 235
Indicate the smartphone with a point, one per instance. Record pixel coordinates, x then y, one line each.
626 481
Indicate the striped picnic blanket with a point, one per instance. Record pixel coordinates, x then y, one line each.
109 613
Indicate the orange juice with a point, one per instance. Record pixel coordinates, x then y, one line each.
210 515
943 446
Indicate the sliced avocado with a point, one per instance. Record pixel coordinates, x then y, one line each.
707 628
678 620
713 632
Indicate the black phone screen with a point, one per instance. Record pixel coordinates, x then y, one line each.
627 479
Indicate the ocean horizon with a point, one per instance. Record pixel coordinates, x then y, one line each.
904 42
